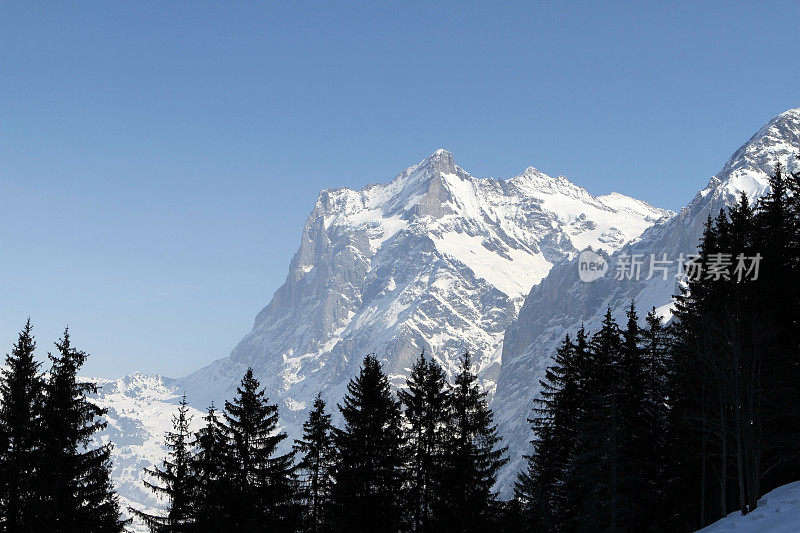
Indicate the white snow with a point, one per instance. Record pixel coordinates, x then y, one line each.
778 511
514 276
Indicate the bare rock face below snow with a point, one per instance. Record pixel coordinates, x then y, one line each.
561 303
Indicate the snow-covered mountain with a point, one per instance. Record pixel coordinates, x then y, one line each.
434 259
562 302
440 260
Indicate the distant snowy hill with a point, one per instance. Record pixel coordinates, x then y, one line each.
440 260
140 410
778 511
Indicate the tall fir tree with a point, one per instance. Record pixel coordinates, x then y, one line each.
208 480
688 388
173 479
474 456
537 486
262 492
318 459
635 450
367 493
75 477
655 346
597 465
21 392
426 413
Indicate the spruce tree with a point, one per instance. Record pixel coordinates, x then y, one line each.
573 400
637 454
537 486
21 389
656 350
172 480
367 492
261 494
75 478
208 481
473 458
316 467
426 409
597 467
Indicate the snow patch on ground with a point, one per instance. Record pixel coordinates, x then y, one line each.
778 511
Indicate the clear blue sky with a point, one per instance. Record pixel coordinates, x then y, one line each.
158 160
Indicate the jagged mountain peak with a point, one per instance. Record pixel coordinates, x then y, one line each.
441 160
436 187
747 169
385 268
439 163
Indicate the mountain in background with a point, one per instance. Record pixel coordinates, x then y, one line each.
437 260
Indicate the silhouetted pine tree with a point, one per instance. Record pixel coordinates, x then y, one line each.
793 186
261 495
775 295
727 374
655 346
74 477
635 449
427 406
173 479
597 468
473 459
553 442
20 422
367 493
208 482
316 467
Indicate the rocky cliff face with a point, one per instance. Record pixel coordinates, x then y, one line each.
562 302
435 259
